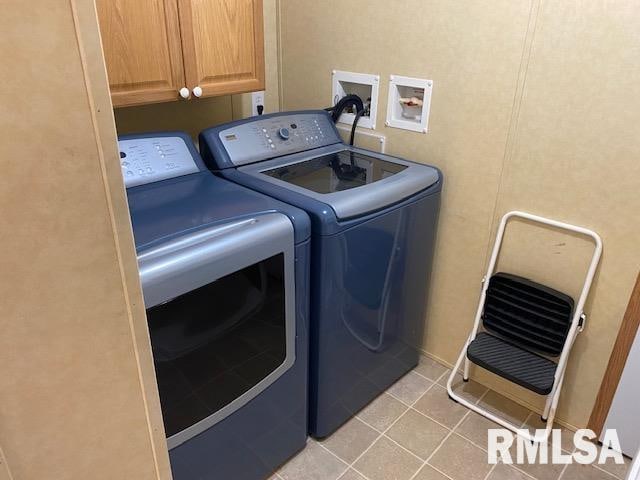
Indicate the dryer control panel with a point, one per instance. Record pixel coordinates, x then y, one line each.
261 138
148 160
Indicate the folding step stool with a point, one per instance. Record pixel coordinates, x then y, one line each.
525 323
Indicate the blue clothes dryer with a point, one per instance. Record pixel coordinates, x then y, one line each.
224 272
374 222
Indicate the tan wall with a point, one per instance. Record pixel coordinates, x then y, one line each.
77 391
196 114
535 107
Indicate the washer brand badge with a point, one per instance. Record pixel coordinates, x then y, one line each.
231 137
501 449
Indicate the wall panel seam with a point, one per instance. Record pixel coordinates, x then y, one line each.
512 131
114 229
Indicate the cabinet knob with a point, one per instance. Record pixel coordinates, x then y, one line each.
184 92
197 92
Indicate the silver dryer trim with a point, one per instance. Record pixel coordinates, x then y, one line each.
197 259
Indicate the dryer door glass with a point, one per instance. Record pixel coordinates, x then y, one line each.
213 344
336 172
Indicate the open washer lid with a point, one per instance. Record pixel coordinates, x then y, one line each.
351 181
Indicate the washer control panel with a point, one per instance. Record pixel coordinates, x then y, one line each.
148 160
262 138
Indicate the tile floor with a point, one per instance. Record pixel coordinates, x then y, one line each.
415 432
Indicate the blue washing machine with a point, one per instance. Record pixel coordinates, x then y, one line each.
374 222
224 273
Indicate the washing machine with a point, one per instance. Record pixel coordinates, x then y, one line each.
374 220
224 273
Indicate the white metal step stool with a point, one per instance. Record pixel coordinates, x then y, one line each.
526 323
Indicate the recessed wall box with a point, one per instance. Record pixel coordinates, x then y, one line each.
361 84
364 139
409 103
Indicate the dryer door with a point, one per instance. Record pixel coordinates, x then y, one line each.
220 308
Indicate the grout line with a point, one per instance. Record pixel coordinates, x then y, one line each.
528 475
451 431
443 441
409 405
436 449
335 455
433 419
598 467
470 441
523 424
563 471
383 432
444 374
447 427
427 378
351 465
493 467
367 424
422 460
426 462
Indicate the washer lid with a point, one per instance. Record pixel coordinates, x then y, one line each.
351 181
336 172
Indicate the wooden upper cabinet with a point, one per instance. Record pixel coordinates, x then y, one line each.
223 45
154 48
142 49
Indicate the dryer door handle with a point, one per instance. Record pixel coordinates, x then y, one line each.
197 259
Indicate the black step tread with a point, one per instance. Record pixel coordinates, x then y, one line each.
527 314
509 361
524 340
541 291
517 299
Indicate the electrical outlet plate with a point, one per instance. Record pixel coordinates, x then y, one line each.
257 98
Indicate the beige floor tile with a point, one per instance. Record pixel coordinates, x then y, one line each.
387 461
461 460
585 472
505 472
313 463
351 474
382 412
417 433
429 473
538 470
409 388
430 368
504 408
353 438
436 404
566 436
475 427
471 391
613 468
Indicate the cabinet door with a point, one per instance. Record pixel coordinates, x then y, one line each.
142 49
223 45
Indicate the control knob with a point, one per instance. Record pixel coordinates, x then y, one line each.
284 133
